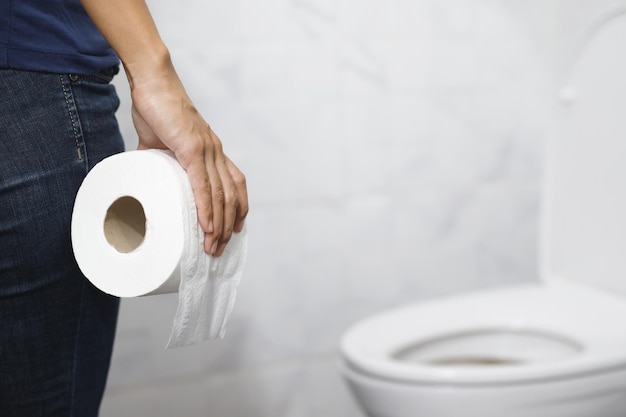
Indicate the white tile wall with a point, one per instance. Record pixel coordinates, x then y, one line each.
393 153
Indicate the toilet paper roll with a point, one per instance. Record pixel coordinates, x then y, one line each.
135 232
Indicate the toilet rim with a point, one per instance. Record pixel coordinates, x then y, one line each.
367 346
385 367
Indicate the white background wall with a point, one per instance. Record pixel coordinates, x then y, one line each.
393 154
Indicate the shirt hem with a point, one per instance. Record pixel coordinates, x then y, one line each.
55 62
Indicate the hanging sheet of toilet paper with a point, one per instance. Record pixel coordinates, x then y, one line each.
135 232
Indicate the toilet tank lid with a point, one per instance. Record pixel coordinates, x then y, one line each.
584 202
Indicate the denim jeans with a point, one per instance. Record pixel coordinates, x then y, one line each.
56 329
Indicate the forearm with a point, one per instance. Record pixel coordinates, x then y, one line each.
130 30
165 118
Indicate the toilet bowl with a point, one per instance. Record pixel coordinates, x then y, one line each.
554 348
532 350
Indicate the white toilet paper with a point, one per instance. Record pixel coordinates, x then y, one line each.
135 232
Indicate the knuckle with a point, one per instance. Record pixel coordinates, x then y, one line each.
230 199
217 145
244 208
226 234
239 179
219 195
214 144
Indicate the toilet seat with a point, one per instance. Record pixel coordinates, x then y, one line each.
587 325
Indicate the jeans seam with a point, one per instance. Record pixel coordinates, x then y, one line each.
76 345
73 115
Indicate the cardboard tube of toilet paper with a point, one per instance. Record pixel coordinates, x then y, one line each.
135 232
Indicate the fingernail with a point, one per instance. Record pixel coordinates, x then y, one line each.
214 248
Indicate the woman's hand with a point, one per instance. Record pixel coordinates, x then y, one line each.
165 118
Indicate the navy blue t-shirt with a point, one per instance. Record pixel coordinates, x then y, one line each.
52 36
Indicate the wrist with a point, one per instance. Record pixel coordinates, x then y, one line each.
153 62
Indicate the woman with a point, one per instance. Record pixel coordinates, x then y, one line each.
57 121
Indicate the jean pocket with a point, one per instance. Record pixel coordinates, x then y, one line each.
102 77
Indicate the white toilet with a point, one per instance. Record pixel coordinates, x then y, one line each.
550 349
